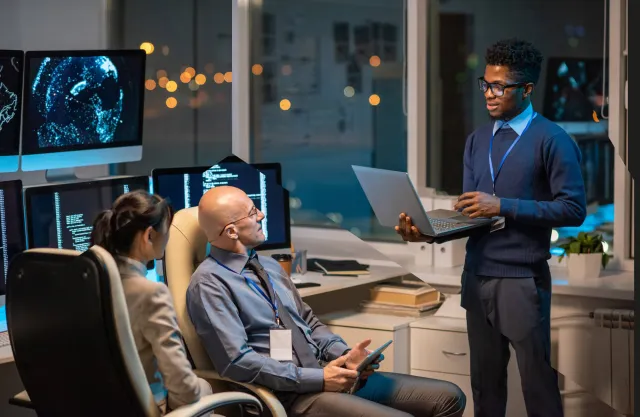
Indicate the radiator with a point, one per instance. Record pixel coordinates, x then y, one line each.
613 319
595 354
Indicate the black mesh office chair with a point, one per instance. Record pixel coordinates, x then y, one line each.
72 341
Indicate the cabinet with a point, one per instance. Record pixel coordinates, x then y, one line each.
355 327
440 350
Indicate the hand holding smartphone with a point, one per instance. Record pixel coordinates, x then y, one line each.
369 360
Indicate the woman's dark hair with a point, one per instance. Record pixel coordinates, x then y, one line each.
522 58
131 213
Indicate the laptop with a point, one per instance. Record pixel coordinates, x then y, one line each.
391 193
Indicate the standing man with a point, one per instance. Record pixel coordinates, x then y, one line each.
525 168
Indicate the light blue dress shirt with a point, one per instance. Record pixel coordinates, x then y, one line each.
233 321
518 123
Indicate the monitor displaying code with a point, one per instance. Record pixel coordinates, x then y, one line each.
61 216
184 187
12 236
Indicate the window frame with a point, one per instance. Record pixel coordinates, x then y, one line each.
418 15
618 134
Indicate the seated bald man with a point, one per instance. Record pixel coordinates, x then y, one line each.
256 328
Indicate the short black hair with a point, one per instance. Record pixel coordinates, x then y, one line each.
522 58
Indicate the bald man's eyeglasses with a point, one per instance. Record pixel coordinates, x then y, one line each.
252 213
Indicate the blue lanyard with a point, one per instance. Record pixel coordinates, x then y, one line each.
273 303
493 177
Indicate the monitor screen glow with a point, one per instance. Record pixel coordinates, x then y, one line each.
184 187
61 216
12 236
82 108
11 74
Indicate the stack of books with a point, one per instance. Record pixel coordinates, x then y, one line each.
408 299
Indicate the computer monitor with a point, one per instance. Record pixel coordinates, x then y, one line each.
82 108
61 215
11 65
184 187
573 91
12 236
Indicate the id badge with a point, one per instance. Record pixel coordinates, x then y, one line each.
280 344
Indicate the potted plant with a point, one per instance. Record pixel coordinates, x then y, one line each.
585 256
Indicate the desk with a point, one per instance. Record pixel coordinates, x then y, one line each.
602 352
588 357
330 284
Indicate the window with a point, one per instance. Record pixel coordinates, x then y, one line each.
572 43
327 93
187 113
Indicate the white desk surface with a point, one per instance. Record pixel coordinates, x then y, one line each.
329 284
615 285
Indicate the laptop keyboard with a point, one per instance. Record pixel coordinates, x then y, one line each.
4 339
440 226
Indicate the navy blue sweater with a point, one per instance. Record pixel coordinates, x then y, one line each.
540 186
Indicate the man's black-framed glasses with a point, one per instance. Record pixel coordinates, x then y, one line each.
496 88
252 213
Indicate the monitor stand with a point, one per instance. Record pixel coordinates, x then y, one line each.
61 175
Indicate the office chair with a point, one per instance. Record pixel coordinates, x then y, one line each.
72 341
185 250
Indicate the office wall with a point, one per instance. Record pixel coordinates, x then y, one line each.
59 24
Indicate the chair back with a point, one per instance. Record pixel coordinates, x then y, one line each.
185 250
71 337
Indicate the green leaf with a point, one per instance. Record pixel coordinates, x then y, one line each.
574 247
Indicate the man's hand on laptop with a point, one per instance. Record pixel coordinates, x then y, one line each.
409 232
337 378
478 204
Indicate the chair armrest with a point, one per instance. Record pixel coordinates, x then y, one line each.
21 400
210 402
267 397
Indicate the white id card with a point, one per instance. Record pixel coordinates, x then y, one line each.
280 344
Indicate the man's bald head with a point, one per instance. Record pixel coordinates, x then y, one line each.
221 206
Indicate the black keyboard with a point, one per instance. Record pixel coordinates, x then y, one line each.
440 225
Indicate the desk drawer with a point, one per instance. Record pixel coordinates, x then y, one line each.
440 351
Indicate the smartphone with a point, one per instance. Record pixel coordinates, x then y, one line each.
372 357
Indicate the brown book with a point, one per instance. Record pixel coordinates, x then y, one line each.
404 294
402 311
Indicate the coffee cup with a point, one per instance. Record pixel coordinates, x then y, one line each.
285 260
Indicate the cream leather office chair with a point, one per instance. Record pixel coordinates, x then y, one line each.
72 342
186 249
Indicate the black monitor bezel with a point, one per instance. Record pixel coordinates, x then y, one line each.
30 192
156 172
26 85
11 53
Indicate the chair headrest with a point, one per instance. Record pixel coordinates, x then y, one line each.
185 222
186 249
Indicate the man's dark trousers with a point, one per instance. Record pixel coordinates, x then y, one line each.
516 311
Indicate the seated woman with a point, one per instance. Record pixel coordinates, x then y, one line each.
135 231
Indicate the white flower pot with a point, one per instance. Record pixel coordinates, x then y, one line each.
584 266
